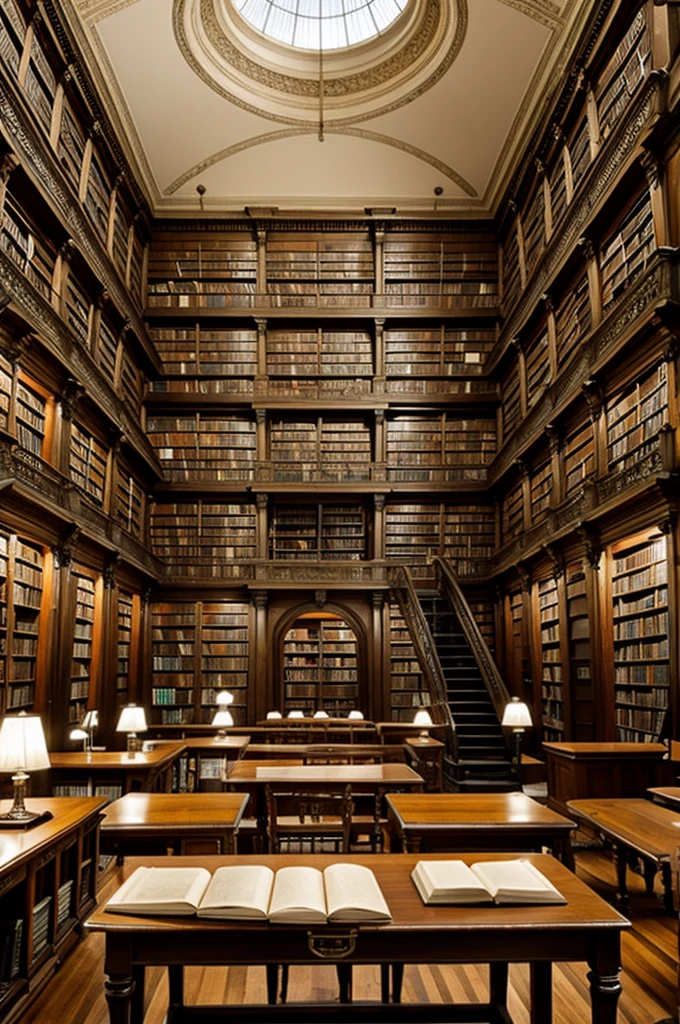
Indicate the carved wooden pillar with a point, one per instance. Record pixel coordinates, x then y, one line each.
68 401
261 279
97 313
522 374
526 645
379 261
593 122
85 169
594 278
28 46
379 357
140 683
112 464
669 528
670 453
378 526
663 22
656 182
59 663
105 700
523 468
547 200
380 446
261 453
261 372
264 693
552 334
520 250
601 636
556 469
594 396
377 704
262 531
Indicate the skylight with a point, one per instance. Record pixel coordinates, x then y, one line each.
320 24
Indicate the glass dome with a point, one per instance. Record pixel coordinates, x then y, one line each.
320 24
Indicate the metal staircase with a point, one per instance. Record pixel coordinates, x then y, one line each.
466 689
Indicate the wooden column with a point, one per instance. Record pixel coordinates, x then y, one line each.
594 279
263 695
59 665
601 634
261 529
261 373
594 396
656 182
378 700
379 357
522 373
261 280
379 260
105 700
552 334
556 467
378 526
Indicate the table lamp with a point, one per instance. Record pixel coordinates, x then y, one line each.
224 698
22 750
89 723
423 718
223 719
296 714
80 734
271 715
132 720
356 715
320 714
518 718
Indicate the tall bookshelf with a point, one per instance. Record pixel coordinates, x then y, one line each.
123 647
320 666
552 687
634 415
407 687
580 671
87 463
82 653
204 446
639 587
31 409
173 661
225 657
318 532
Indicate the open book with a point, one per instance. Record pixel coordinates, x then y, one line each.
498 881
294 895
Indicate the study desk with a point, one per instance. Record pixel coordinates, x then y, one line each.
109 772
372 779
476 821
207 760
644 828
585 929
667 795
186 823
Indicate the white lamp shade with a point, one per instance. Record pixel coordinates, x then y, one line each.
22 744
90 721
356 714
224 697
223 718
516 715
273 714
78 734
423 718
132 719
296 714
320 714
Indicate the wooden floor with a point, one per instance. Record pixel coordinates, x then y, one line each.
649 978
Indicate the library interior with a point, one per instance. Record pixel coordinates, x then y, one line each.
339 501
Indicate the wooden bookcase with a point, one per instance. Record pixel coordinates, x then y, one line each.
552 683
12 35
626 248
623 74
417 531
174 635
123 646
21 595
634 415
320 666
318 532
27 247
83 653
40 84
215 273
639 592
204 446
580 663
407 688
31 414
203 535
88 463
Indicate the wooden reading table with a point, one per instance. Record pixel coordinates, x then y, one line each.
476 821
583 770
667 795
639 827
110 769
585 929
188 823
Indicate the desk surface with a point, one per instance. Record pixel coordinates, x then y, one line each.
640 824
105 760
19 845
511 811
215 744
313 774
669 795
178 811
606 750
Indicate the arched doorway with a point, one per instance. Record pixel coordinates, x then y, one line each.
320 665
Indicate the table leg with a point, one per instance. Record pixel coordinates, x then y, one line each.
118 990
649 871
621 859
540 985
176 984
498 984
563 851
138 974
667 887
397 981
605 986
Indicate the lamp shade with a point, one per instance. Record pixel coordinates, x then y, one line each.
132 719
223 718
90 721
320 714
356 714
77 734
22 744
516 715
423 718
273 714
224 697
296 714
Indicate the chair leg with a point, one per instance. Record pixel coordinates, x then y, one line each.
344 972
284 982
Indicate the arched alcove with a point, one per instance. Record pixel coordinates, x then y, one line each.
320 664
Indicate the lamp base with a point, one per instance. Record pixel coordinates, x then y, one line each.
28 819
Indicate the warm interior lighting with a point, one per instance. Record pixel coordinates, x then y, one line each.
132 720
296 714
22 750
90 723
423 718
356 714
518 718
320 714
223 719
273 714
224 698
80 734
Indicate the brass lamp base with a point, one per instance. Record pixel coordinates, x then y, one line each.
18 815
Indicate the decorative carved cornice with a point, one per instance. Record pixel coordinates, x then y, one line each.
69 398
110 569
592 545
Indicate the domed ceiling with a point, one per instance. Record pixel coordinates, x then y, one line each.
413 105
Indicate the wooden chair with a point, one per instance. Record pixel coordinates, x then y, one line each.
309 822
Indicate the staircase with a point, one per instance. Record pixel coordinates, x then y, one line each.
483 761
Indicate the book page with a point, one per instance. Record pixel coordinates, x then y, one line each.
517 881
161 891
298 896
448 881
241 891
353 894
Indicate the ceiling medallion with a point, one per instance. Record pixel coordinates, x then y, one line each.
281 82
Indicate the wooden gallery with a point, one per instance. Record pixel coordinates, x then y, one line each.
339 511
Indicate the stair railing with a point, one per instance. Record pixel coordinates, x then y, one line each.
404 592
448 588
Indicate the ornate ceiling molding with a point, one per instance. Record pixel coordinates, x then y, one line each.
282 84
286 133
543 11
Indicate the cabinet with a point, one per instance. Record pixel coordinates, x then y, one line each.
47 888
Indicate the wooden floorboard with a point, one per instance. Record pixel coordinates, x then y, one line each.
76 993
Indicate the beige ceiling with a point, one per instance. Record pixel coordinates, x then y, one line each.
461 132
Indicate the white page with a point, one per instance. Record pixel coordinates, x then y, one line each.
298 896
161 890
517 880
353 894
449 881
238 891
